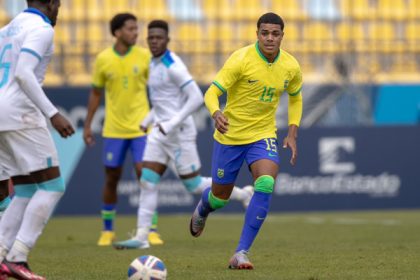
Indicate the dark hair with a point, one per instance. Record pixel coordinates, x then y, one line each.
40 1
270 18
158 23
119 20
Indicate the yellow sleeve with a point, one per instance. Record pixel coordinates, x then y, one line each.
295 98
98 75
211 98
230 72
295 109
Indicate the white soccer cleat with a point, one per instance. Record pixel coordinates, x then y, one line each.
240 261
131 244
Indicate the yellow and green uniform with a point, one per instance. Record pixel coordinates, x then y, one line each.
124 79
253 87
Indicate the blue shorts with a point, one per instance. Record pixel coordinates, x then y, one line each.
115 150
228 159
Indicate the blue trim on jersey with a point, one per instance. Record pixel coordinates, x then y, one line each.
34 53
219 86
54 185
150 176
25 190
38 12
186 83
167 59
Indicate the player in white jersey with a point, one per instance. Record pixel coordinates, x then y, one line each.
27 152
174 96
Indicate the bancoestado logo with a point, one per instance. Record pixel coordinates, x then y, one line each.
338 174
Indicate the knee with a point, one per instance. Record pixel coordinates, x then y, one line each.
264 184
191 184
149 178
54 185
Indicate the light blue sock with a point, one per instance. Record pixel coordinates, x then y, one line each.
4 203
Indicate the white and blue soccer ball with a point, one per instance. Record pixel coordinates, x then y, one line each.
147 268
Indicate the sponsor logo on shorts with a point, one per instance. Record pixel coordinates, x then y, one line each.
109 156
220 172
270 154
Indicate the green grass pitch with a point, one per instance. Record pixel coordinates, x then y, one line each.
340 245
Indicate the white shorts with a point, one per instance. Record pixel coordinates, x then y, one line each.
164 149
25 151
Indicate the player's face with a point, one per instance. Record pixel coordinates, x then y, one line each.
128 33
53 8
269 38
158 40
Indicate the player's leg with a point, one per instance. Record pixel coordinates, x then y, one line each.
114 153
263 162
137 146
226 163
37 154
4 196
154 165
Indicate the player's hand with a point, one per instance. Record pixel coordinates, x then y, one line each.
62 125
221 122
143 128
290 142
88 136
161 129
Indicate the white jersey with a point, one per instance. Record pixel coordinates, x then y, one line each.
30 32
167 76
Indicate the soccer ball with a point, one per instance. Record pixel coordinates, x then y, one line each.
147 268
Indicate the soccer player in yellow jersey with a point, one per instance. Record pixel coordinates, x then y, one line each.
253 78
122 71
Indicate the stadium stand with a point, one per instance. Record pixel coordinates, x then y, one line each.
384 33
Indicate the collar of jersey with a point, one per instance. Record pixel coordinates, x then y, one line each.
263 57
162 56
38 12
122 55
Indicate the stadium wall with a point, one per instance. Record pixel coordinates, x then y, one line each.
339 168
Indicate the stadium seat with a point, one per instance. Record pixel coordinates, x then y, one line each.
248 9
247 32
191 37
413 10
78 10
152 9
223 37
318 37
351 36
413 36
361 9
382 37
288 9
217 9
392 9
96 31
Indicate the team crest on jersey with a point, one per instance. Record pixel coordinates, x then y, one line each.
136 69
286 83
220 172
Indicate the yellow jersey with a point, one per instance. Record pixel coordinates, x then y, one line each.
124 79
254 86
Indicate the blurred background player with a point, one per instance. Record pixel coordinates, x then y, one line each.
27 151
121 70
174 96
253 78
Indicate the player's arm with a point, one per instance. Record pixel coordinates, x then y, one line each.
181 77
148 120
33 49
211 99
295 107
93 105
227 76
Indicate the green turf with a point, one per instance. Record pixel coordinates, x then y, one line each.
340 245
